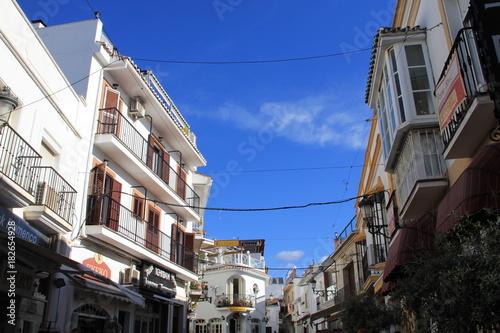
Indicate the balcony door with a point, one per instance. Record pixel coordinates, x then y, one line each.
103 205
109 113
153 230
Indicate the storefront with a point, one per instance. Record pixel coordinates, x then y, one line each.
27 274
162 313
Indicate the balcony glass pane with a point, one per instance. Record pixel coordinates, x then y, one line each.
418 78
423 103
414 55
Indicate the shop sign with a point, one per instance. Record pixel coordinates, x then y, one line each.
98 265
251 242
10 222
237 309
159 280
450 93
232 242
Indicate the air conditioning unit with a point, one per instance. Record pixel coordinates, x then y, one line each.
131 276
137 109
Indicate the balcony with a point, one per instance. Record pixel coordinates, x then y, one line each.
114 224
235 300
121 141
238 259
421 173
18 172
54 202
465 126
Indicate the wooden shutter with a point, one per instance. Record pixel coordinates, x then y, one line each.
112 99
181 182
114 209
152 230
165 171
189 251
173 254
96 189
149 158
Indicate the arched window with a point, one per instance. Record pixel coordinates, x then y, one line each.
215 325
200 326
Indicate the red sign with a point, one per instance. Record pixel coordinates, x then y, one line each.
450 93
98 265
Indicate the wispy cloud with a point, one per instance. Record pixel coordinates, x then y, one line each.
319 120
289 255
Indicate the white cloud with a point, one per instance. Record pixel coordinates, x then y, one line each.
319 120
289 255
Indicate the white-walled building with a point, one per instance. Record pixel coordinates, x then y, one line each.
143 208
234 288
44 146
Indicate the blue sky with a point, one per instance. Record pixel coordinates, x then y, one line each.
307 115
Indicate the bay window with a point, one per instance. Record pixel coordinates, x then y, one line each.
405 100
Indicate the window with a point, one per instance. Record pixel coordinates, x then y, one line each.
200 326
138 204
405 98
215 325
419 79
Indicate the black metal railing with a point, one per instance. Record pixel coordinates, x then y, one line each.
111 121
235 300
55 193
350 227
18 160
465 48
102 210
343 294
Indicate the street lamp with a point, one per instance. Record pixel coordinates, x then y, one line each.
320 292
368 213
204 292
8 103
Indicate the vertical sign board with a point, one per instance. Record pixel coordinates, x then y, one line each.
450 93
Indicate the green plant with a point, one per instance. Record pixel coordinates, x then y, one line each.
453 287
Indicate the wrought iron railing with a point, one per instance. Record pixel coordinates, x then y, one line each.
18 160
111 121
55 193
235 300
465 48
350 227
102 210
420 160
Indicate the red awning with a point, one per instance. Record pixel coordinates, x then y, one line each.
417 234
476 188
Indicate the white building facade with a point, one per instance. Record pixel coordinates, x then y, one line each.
234 291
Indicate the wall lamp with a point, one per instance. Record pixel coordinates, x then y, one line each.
320 292
8 103
368 212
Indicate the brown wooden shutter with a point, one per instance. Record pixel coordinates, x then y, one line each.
189 251
96 189
152 230
173 255
165 170
181 182
112 99
114 209
149 158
